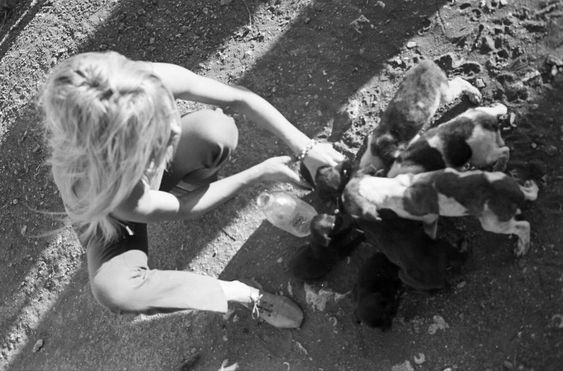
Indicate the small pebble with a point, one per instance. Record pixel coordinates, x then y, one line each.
38 345
557 321
419 358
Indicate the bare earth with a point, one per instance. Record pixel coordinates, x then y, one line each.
330 66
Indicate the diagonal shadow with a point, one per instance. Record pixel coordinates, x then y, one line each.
14 20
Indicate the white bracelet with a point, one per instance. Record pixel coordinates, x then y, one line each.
309 147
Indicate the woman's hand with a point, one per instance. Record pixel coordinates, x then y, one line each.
321 154
278 169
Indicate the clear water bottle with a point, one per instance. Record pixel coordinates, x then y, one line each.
287 212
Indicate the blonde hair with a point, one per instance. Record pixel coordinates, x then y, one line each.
108 122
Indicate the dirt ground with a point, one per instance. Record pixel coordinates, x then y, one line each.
330 66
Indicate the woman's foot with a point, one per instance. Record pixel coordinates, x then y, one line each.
279 311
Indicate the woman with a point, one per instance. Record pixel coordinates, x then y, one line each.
118 146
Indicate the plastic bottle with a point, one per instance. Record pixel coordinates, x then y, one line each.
287 212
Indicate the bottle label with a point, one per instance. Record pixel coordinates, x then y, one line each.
299 222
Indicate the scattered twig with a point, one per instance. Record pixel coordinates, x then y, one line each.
227 234
547 9
441 21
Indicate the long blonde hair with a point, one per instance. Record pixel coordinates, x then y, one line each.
108 122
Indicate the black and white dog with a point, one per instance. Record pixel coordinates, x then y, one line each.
473 136
493 197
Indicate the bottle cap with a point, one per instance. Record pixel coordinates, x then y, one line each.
264 199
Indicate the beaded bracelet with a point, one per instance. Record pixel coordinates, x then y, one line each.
309 147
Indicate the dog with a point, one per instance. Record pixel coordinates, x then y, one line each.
330 180
333 238
493 197
424 263
377 292
473 136
424 89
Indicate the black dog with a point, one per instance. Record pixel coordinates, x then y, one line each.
423 262
333 238
378 292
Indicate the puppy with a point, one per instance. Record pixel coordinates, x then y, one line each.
330 180
493 197
378 292
424 88
424 263
333 238
472 136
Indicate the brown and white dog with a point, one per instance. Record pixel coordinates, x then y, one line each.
473 136
424 88
493 197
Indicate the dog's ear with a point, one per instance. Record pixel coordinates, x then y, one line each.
431 228
385 146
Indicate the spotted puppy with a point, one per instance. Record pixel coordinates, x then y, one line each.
424 88
493 197
378 292
472 136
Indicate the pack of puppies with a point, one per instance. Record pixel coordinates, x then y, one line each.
399 213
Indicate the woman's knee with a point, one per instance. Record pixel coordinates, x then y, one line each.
117 291
211 127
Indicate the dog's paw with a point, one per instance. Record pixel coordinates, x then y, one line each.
474 96
521 248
